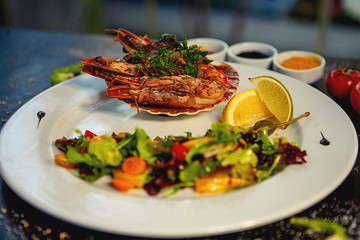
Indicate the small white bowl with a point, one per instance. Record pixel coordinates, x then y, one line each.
216 47
243 47
309 76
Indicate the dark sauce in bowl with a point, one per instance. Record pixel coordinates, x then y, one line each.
252 54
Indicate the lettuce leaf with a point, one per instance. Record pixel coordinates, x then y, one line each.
192 171
142 145
106 151
264 174
97 173
241 156
74 156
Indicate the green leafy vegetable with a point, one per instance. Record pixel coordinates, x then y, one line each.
336 231
64 73
105 151
267 147
193 171
96 174
264 174
170 57
241 156
142 145
199 148
234 153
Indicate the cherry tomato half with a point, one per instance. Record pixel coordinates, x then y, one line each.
355 97
340 81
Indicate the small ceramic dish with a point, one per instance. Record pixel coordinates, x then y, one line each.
310 75
252 53
216 47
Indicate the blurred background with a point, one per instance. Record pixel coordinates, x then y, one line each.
329 27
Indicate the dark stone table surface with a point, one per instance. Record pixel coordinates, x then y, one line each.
28 58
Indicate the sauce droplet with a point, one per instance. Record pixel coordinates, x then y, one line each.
323 140
40 115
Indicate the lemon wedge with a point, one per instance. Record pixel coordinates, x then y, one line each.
245 109
275 96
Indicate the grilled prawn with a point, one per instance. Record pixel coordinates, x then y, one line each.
165 76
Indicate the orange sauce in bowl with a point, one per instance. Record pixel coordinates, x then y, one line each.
300 63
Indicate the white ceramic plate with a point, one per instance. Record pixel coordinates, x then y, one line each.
27 165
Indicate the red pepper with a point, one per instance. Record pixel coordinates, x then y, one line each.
89 134
180 151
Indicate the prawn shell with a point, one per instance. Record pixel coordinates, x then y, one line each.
229 71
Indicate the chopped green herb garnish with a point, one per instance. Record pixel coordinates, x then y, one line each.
169 57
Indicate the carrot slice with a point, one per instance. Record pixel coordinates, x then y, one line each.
122 185
134 166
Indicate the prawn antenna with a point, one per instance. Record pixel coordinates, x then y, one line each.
104 99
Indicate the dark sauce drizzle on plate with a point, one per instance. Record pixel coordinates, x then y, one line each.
323 140
40 115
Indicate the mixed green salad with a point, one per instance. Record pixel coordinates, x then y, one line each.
225 158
